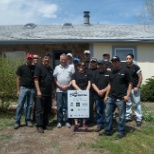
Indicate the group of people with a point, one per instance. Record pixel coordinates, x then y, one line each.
110 86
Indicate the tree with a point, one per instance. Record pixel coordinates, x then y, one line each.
147 15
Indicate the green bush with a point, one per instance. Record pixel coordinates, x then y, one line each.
8 69
147 90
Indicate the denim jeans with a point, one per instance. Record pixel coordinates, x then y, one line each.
110 107
42 110
25 99
61 98
100 112
135 99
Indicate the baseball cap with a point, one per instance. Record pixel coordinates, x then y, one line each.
101 62
76 60
106 53
93 59
29 56
86 52
115 58
69 54
35 56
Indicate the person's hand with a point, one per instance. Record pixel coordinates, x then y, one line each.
17 94
39 93
126 98
105 99
136 89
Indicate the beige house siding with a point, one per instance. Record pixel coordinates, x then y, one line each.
145 55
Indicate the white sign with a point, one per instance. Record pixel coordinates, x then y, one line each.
78 103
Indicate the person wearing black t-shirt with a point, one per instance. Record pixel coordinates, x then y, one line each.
44 84
136 74
117 95
25 91
91 71
100 83
81 81
87 58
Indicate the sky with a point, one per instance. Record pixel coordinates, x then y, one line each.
50 12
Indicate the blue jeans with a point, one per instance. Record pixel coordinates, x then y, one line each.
25 99
110 107
61 98
135 99
100 112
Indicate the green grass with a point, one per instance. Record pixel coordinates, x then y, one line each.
141 141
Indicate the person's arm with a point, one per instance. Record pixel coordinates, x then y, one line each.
95 87
75 85
89 85
18 84
37 86
107 92
140 78
126 98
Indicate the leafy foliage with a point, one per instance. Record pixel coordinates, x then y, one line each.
147 90
8 67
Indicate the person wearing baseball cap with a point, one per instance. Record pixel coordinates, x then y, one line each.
118 93
25 91
70 59
106 58
87 58
99 84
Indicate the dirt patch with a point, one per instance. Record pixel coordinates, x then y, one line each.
27 140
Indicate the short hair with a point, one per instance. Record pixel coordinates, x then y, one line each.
130 54
47 54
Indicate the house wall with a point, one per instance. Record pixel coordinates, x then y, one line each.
145 55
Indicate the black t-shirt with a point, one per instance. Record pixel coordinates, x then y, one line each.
101 80
81 79
92 72
26 75
45 77
134 70
108 65
119 80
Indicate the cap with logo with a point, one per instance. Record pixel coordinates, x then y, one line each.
101 62
76 60
29 56
93 59
86 52
115 58
106 54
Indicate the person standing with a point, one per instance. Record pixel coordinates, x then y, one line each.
119 90
87 58
100 83
44 84
35 62
62 74
92 71
81 81
136 74
25 91
106 58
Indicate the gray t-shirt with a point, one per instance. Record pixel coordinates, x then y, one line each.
63 75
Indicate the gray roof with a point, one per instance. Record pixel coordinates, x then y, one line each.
76 33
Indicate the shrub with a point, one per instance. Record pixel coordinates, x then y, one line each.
8 69
147 90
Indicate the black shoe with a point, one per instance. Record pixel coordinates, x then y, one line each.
119 136
105 134
48 128
98 129
16 126
128 120
40 130
138 123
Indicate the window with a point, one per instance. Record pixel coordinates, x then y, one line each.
14 55
122 52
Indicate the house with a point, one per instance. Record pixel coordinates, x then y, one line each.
16 40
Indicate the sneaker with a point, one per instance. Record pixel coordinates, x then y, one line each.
119 136
29 124
68 124
40 130
75 129
105 134
138 123
16 126
59 125
129 120
85 127
98 129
